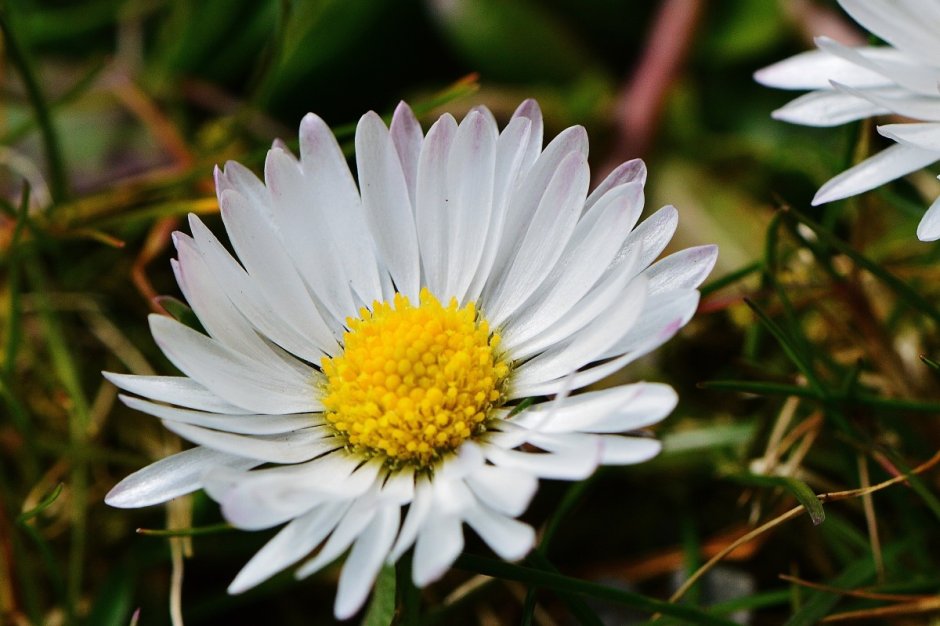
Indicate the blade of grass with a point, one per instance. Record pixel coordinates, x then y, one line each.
820 603
51 564
904 291
786 342
17 410
509 571
24 65
797 488
730 279
578 607
569 501
761 388
72 93
66 371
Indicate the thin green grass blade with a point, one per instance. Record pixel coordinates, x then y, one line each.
58 185
794 352
904 291
509 571
797 488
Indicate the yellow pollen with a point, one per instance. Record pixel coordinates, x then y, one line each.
414 382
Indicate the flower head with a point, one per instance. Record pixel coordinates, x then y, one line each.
369 351
855 83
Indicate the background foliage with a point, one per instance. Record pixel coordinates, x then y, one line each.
801 374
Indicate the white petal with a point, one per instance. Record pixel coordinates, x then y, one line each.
470 179
431 202
912 28
170 477
929 227
544 240
232 376
617 450
399 486
387 204
334 203
505 490
625 173
651 237
644 345
615 410
261 249
293 447
889 164
439 543
359 516
291 544
213 308
238 178
414 520
898 100
406 135
529 109
919 78
573 464
524 203
664 313
827 108
510 539
269 309
598 237
179 390
240 424
685 269
306 237
364 562
510 152
268 497
815 68
926 135
589 343
578 315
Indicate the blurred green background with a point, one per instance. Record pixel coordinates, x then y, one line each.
115 113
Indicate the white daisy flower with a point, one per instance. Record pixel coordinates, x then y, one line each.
849 84
369 351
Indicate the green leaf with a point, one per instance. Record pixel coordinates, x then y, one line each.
381 609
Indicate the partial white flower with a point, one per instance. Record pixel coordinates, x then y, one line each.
849 84
368 351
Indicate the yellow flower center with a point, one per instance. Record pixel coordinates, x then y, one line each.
413 382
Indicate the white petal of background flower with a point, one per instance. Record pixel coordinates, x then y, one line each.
855 83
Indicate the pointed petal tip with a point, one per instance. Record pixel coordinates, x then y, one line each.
929 227
120 497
